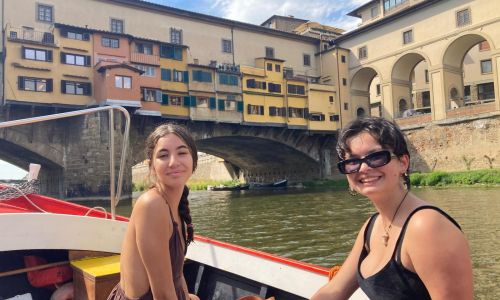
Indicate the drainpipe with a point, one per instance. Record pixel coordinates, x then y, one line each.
338 85
232 42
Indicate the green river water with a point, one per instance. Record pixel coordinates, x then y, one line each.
319 226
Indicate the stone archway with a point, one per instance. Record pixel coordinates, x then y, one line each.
360 90
409 71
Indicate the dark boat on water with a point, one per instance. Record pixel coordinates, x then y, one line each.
278 184
239 187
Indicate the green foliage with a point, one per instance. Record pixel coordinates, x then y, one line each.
139 186
439 178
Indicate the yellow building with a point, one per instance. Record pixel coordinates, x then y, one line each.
174 81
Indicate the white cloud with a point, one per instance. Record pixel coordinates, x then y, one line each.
327 12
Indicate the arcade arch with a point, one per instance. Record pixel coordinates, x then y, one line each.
362 96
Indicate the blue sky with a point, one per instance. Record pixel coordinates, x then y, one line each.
327 12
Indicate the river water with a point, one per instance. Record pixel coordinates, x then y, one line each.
319 226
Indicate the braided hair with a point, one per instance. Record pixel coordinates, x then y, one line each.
185 136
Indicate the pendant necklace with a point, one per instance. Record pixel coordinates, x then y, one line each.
385 236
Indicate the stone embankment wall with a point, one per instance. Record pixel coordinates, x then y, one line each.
455 146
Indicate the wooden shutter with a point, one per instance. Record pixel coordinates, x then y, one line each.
88 60
272 111
212 103
222 105
187 101
20 82
23 53
249 108
63 86
86 36
49 85
251 83
49 55
193 101
63 57
87 88
164 99
185 76
239 106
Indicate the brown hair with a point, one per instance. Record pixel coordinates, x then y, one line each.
186 137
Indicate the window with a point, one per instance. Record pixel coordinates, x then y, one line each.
463 17
110 42
334 118
407 37
178 76
360 112
342 58
76 88
269 66
116 26
346 106
254 84
277 111
426 75
202 76
485 91
296 89
45 13
316 117
151 95
229 104
36 54
391 4
75 35
227 46
149 71
307 60
123 82
374 12
330 98
274 88
269 52
377 87
144 48
344 81
426 99
34 84
202 102
294 112
227 79
486 66
362 52
277 68
255 109
75 59
176 36
171 51
176 100
288 73
484 46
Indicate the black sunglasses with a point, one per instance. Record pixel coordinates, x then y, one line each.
373 160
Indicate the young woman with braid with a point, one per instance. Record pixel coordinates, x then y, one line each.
408 249
160 227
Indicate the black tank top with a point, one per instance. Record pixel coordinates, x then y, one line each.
394 281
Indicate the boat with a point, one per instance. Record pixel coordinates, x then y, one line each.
47 243
238 187
277 184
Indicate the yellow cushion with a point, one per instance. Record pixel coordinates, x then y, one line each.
99 266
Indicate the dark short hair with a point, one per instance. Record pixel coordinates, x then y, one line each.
385 132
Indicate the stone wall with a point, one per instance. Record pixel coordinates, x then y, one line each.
455 146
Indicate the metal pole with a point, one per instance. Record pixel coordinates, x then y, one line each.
112 163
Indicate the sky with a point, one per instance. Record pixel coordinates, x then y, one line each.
327 12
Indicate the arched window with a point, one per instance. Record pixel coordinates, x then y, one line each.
453 93
403 105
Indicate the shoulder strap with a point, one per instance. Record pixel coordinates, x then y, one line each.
397 250
368 232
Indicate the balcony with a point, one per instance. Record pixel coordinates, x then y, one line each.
148 59
31 36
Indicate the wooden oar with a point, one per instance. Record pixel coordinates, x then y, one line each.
35 268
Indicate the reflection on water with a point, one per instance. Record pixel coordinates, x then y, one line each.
319 227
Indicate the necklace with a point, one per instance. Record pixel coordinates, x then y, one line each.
385 236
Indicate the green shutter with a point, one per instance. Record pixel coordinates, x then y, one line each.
164 99
239 106
187 101
164 74
212 103
185 76
222 105
193 101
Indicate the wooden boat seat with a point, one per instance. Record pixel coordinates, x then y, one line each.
94 278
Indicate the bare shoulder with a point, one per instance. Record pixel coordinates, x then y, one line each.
149 203
431 221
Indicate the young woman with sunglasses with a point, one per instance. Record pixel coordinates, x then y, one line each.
160 227
409 249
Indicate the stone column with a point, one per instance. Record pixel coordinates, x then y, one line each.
442 79
495 62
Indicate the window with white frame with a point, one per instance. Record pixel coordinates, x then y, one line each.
362 52
229 104
178 76
151 95
408 36
75 59
45 13
149 71
116 25
486 66
123 82
176 36
37 54
75 88
34 84
110 42
463 17
227 46
144 48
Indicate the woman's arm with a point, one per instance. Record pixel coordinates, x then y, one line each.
344 284
153 231
438 252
